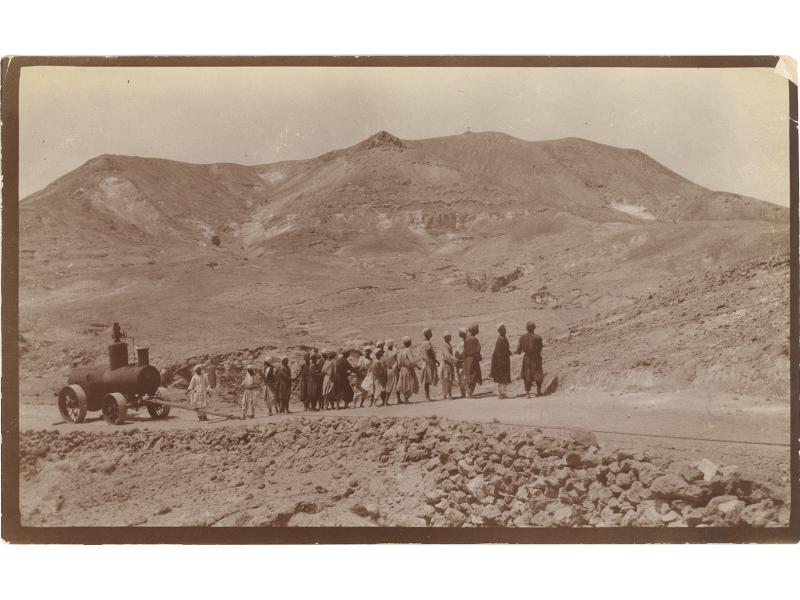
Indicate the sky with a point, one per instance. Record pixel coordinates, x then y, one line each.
726 129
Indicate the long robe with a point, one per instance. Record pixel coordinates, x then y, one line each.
501 361
459 354
327 378
315 379
390 360
472 361
448 363
362 370
530 346
199 390
430 375
342 387
270 394
249 394
283 380
407 382
379 375
302 382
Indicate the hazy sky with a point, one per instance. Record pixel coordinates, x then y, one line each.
726 129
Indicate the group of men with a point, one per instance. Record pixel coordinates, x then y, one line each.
328 380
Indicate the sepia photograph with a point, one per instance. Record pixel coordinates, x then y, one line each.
392 299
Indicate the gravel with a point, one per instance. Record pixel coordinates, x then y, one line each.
385 471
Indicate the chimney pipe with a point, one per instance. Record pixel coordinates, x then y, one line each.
143 356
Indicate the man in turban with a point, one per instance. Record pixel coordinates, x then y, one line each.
407 382
472 360
249 392
459 354
342 389
270 393
430 373
501 362
530 346
448 374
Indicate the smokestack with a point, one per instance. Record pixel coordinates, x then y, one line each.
143 356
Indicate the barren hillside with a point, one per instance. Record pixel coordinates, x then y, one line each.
388 236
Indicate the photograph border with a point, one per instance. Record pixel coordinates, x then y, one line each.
12 530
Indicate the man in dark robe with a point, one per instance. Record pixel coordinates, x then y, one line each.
472 360
270 391
530 346
314 385
302 379
283 381
501 362
342 389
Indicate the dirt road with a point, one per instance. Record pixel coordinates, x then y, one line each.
750 432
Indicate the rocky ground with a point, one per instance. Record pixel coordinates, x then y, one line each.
367 471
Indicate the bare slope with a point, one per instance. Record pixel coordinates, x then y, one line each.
372 241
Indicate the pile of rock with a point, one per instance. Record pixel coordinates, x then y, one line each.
529 479
467 474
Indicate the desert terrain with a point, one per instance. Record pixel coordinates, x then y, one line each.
663 307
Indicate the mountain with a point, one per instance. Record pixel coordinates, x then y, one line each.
375 240
436 185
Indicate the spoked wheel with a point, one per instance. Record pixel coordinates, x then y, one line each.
158 411
115 409
72 403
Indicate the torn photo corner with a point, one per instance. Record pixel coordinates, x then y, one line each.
399 299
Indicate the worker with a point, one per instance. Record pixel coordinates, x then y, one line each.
530 346
270 394
363 368
390 360
250 387
407 382
328 378
302 379
283 381
459 354
501 361
343 389
430 366
379 377
472 360
448 375
315 378
200 391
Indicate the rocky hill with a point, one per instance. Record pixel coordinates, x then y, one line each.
372 241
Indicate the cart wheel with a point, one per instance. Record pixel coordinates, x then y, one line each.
158 411
115 409
72 403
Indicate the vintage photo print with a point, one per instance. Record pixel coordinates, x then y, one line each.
432 299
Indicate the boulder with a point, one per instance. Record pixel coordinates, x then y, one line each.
623 480
646 472
707 468
724 510
433 497
490 514
432 464
691 474
600 495
758 515
454 518
573 460
674 487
